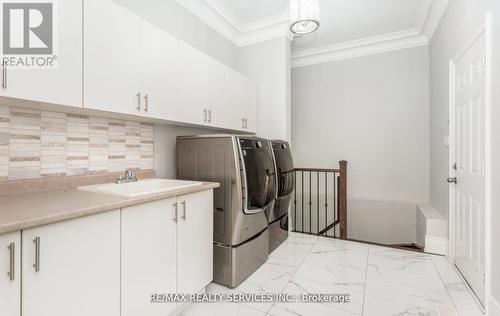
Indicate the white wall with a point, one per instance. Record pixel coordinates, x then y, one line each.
461 19
374 112
268 64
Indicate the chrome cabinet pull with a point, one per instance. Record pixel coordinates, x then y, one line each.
12 261
183 210
146 103
36 265
205 115
4 76
176 212
210 116
246 123
242 123
138 95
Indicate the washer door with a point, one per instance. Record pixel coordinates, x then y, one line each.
260 174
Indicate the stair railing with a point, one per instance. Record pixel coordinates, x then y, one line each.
320 201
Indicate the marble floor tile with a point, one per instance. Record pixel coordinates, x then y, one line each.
381 281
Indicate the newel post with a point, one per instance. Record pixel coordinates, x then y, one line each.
343 199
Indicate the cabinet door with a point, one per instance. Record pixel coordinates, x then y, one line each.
217 92
10 274
193 84
149 257
63 84
73 268
251 106
112 57
236 100
159 73
195 241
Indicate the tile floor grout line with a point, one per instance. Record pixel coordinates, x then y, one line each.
445 287
294 272
366 279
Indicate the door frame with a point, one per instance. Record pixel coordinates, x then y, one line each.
486 29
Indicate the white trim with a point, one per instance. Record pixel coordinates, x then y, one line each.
436 245
367 46
493 307
434 16
488 162
219 17
486 29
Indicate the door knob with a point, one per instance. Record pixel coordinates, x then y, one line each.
452 180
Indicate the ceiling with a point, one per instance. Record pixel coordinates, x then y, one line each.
348 28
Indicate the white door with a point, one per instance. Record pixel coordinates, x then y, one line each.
236 100
469 155
112 57
10 274
159 73
149 257
251 106
193 85
72 267
195 241
63 84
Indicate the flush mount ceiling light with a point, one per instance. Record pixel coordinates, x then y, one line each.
304 16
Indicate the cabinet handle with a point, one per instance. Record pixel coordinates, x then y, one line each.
246 123
176 212
243 123
36 265
146 103
4 76
205 115
12 261
138 95
210 116
183 210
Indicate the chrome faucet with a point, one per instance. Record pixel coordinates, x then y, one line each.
129 176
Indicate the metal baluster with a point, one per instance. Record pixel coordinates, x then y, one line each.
335 199
310 202
295 202
326 199
317 204
302 198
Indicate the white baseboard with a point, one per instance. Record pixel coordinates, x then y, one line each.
493 306
436 245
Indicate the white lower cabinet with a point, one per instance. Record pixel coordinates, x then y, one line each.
10 274
72 267
149 265
195 241
166 249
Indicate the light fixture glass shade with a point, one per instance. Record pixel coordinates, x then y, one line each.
304 16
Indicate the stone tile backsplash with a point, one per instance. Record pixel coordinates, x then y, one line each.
36 144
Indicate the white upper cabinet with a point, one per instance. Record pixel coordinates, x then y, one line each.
251 106
193 85
10 274
202 88
73 267
236 100
59 85
112 57
159 73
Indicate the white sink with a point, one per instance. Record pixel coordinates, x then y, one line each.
142 187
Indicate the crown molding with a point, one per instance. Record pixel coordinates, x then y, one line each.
363 47
427 23
217 16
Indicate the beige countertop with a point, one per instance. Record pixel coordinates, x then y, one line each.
27 210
